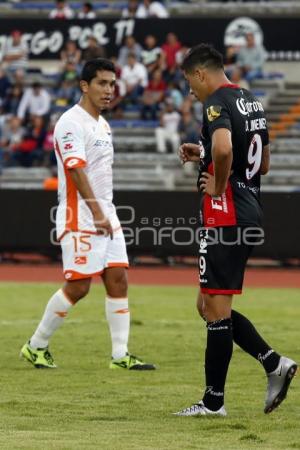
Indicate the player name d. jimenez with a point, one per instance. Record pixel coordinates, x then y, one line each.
256 124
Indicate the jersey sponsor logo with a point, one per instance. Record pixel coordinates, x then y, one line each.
246 108
102 143
213 112
220 203
80 260
68 137
68 146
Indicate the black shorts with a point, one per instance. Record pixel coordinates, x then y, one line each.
223 255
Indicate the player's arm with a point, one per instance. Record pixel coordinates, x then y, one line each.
265 160
222 160
80 179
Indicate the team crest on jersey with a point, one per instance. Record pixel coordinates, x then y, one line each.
213 112
67 137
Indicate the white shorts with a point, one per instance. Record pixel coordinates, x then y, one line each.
85 255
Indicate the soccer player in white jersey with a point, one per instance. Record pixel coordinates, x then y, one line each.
87 225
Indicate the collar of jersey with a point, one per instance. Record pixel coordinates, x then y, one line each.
90 116
229 85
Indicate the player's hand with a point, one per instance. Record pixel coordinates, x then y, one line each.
207 184
189 152
103 226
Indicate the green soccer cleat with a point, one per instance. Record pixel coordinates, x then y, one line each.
41 358
130 362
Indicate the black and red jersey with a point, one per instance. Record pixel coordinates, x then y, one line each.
240 112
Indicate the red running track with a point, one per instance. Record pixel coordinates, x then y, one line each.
148 275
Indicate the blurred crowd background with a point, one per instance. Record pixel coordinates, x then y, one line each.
152 103
150 84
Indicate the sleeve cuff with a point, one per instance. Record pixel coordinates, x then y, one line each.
73 163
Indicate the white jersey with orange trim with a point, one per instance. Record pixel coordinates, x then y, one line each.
82 141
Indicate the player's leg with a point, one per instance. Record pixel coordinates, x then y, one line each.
247 338
117 309
279 369
118 318
36 350
80 261
220 278
217 310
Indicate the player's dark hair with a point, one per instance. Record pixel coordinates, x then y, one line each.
91 67
204 55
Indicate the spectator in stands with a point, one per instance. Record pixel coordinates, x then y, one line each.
15 53
251 58
67 93
30 150
230 59
12 100
168 130
180 54
151 8
71 54
177 75
93 50
131 9
170 48
62 11
116 106
153 96
49 158
35 101
70 74
189 128
87 11
4 85
151 55
11 136
130 46
148 8
134 75
236 77
174 92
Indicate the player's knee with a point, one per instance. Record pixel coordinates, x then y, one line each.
201 308
118 286
82 291
76 290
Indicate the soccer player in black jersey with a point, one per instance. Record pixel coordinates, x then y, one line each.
233 155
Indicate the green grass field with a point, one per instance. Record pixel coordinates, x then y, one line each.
84 405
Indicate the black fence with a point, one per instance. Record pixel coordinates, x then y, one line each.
155 223
46 38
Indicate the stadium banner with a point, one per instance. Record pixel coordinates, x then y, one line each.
46 38
154 223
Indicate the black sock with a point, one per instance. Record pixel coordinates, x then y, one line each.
246 336
217 358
